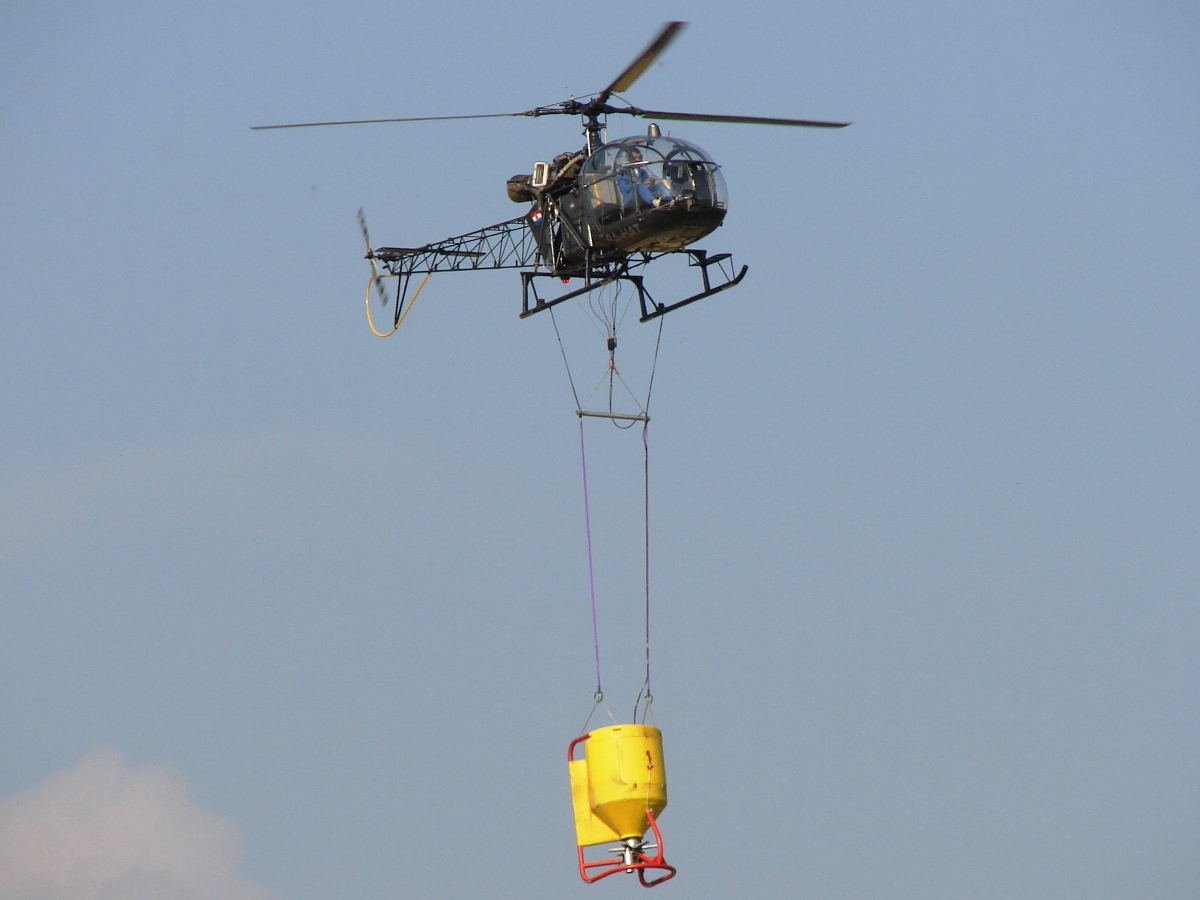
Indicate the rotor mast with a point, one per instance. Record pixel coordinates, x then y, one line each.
592 128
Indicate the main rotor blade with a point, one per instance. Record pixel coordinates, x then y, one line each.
635 69
737 120
407 119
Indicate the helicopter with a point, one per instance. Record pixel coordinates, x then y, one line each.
601 213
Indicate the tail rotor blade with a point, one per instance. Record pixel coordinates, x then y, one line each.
362 224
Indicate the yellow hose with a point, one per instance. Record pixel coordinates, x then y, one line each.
405 312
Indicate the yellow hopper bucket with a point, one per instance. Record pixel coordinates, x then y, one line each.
617 791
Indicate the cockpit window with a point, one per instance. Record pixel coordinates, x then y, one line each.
636 173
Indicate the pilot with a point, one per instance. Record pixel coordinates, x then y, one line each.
650 190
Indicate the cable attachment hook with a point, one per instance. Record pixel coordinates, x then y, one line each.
644 701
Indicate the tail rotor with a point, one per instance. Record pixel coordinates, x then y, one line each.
375 274
402 308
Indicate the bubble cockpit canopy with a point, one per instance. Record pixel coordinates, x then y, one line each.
632 174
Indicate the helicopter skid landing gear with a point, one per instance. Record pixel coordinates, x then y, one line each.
701 259
723 262
633 855
531 303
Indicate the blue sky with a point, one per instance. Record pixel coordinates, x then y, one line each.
924 488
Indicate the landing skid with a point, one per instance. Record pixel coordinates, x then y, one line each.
532 303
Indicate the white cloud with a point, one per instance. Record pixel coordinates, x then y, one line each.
105 831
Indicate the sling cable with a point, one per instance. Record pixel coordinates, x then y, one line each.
618 785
